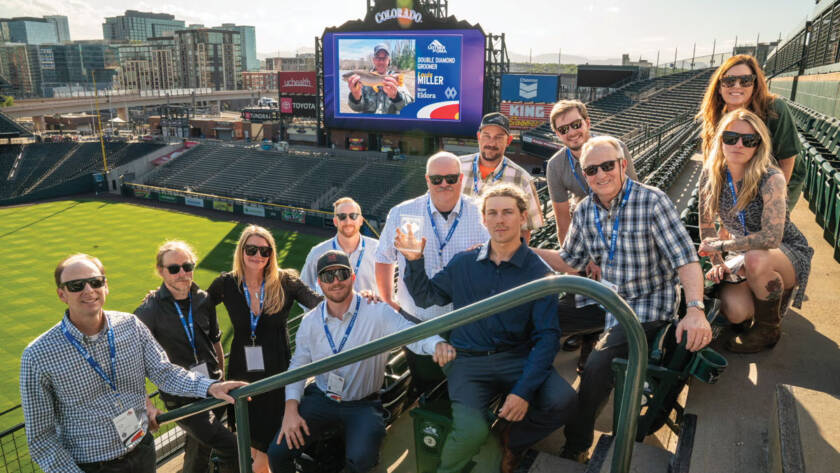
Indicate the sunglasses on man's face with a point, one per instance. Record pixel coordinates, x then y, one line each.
78 285
750 140
436 179
351 215
175 268
606 166
575 125
251 250
330 275
746 80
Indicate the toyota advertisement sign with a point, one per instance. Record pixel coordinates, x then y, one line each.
534 88
297 83
299 106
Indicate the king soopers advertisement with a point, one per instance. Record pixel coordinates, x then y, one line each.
400 81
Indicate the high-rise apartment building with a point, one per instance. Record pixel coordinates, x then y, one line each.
247 44
139 26
209 58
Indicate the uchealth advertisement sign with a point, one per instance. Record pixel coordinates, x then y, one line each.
299 106
194 202
297 83
253 210
524 116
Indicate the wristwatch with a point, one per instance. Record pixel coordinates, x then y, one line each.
698 304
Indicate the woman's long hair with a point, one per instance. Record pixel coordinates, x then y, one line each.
275 298
713 106
714 167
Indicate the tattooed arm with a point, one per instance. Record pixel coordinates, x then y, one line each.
774 193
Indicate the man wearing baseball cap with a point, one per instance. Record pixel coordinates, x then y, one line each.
348 395
390 98
490 166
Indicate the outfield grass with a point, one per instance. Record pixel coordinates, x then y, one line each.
125 237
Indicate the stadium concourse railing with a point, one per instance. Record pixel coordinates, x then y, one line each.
233 205
634 382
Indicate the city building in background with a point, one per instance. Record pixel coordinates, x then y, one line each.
30 30
301 62
209 58
139 26
62 26
259 80
247 44
150 65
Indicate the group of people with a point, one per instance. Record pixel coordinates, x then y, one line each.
466 239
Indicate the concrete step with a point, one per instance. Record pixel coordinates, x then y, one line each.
646 458
805 431
548 463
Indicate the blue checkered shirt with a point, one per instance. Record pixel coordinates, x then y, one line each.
69 409
652 243
470 232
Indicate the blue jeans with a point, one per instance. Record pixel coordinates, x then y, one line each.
364 427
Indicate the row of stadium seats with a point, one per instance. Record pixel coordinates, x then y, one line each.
298 179
820 137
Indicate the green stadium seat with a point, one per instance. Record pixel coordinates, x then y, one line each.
832 229
816 168
824 187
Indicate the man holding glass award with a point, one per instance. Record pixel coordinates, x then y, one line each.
451 223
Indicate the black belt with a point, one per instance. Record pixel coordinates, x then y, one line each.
468 353
115 461
371 397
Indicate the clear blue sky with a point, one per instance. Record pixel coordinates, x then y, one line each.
593 28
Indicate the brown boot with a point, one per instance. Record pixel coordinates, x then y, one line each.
764 333
786 299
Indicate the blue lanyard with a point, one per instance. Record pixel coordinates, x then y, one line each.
572 162
614 235
735 203
346 332
189 328
255 319
112 347
361 254
495 178
442 245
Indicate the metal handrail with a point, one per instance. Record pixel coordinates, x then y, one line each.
637 355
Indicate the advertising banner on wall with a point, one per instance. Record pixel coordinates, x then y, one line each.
524 116
297 83
299 106
253 210
223 206
142 193
294 215
194 202
534 88
167 198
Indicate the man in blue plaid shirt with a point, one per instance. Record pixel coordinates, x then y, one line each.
83 382
632 231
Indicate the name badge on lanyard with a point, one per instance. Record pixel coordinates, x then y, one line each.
335 383
335 246
189 329
496 177
611 245
128 424
442 243
253 353
572 162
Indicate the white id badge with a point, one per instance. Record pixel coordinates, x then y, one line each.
254 358
335 387
201 369
610 285
129 428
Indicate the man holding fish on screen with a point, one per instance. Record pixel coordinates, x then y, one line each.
379 90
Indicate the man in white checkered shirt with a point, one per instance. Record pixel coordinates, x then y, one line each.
634 233
83 382
490 166
451 223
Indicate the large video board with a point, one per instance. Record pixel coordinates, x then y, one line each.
431 81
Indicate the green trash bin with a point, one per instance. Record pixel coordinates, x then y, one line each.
432 424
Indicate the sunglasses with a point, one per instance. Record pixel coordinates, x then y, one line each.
746 80
330 275
606 166
175 268
78 285
436 179
251 250
575 125
351 215
750 140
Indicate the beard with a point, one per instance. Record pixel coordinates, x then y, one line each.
485 155
339 296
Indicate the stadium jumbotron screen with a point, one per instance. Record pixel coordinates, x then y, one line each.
438 84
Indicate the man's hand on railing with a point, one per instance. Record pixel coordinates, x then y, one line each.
293 427
220 389
444 353
152 413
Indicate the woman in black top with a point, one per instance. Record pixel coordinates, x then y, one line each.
258 296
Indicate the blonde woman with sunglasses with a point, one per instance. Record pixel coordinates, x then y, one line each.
741 186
